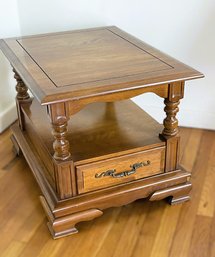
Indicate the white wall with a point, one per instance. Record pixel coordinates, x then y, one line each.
9 26
183 29
48 16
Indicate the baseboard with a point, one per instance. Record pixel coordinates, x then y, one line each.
8 116
187 118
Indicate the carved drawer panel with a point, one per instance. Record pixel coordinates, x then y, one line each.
120 170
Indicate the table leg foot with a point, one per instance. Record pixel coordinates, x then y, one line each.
16 149
175 194
178 200
65 225
63 233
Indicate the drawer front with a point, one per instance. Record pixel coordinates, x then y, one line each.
120 170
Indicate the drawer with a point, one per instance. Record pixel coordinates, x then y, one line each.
120 170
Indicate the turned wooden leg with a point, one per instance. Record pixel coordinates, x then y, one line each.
64 226
175 194
21 97
59 119
61 144
170 122
22 90
170 132
64 170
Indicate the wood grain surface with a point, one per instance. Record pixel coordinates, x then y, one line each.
154 164
92 62
141 228
130 129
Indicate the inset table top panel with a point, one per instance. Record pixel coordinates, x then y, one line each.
77 64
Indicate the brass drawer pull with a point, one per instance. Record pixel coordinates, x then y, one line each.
111 173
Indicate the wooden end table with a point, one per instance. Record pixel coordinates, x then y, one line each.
89 147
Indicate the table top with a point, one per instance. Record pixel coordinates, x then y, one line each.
85 63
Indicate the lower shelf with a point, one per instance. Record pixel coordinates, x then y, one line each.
99 131
63 215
